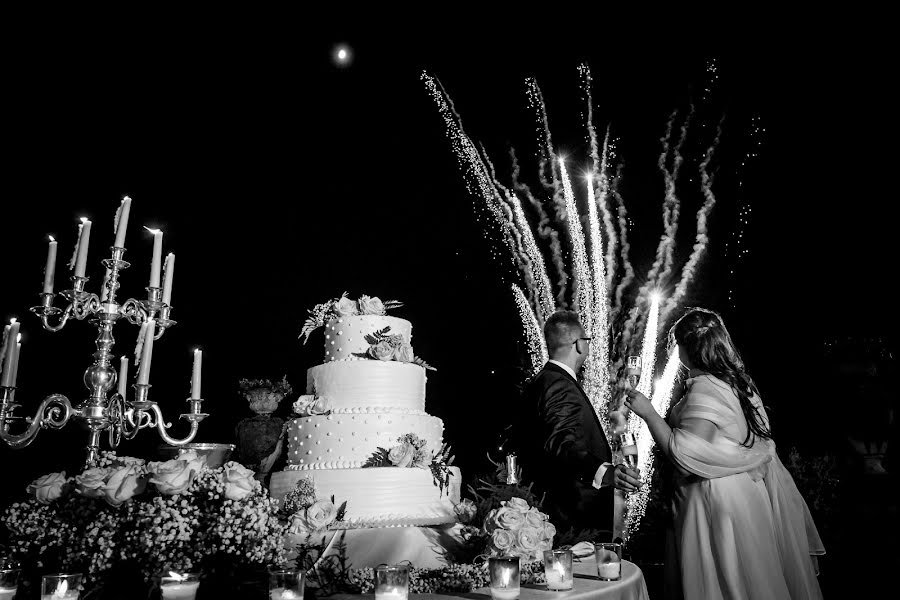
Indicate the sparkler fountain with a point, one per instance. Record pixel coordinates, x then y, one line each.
99 412
599 258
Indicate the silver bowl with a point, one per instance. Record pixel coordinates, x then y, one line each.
216 454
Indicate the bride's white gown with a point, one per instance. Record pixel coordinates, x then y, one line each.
742 530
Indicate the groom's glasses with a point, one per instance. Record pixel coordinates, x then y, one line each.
587 339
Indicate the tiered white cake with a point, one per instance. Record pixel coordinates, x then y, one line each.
355 405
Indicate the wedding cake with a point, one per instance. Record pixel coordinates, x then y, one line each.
363 452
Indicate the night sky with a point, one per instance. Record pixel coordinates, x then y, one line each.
282 180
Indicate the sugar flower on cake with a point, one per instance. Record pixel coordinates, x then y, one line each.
308 405
387 346
308 514
344 307
518 529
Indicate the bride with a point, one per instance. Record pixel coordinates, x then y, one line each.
742 530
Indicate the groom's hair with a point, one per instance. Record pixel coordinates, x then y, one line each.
561 329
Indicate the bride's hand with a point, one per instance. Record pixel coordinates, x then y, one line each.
639 404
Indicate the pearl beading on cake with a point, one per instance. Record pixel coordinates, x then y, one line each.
345 336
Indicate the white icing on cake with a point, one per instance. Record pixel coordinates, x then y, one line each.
380 496
345 441
346 336
354 386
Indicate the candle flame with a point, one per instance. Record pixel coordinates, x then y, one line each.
61 589
177 576
558 567
153 231
19 338
13 320
51 238
126 198
505 576
84 219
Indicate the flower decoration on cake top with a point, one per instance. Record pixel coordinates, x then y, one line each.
383 345
345 307
412 451
309 514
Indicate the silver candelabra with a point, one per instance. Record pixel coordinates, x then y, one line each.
116 414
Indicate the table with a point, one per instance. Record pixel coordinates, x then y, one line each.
587 587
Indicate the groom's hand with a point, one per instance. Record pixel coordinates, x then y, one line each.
625 479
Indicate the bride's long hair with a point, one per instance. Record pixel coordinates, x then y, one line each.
708 345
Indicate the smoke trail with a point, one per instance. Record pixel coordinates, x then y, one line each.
534 337
701 240
672 199
586 82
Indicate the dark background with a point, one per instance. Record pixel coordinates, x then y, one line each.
282 180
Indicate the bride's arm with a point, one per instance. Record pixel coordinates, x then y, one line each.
661 432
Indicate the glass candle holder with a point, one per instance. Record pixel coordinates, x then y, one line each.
179 586
391 582
504 571
61 586
9 582
558 570
286 584
609 560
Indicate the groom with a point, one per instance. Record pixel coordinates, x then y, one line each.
561 443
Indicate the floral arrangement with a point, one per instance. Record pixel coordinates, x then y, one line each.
173 515
308 514
518 529
264 395
308 405
412 451
344 307
387 346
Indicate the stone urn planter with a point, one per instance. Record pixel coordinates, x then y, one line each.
258 436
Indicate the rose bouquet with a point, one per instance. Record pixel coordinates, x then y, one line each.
307 513
173 515
518 529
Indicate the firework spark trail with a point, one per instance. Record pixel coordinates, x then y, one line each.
595 368
733 248
546 231
540 281
636 503
608 223
624 247
586 82
546 155
701 239
534 337
583 292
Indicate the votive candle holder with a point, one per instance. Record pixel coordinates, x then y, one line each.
179 586
558 570
609 560
392 582
9 583
286 584
504 573
61 586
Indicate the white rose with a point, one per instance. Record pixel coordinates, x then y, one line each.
239 481
509 518
404 353
48 488
465 510
402 455
174 476
124 483
383 350
529 540
345 307
370 306
91 483
518 504
503 540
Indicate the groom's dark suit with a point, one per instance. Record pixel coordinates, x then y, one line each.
561 445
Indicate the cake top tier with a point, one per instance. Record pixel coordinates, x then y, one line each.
357 337
338 308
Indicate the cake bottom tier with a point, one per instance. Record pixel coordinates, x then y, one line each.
380 497
423 547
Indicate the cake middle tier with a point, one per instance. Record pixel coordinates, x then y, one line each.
347 441
359 386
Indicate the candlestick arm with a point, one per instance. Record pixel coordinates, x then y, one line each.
53 413
162 426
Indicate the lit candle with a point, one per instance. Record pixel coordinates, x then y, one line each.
15 365
9 360
281 594
156 265
122 222
610 570
168 273
179 587
391 593
123 376
50 269
195 375
147 353
83 241
62 592
504 574
7 593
